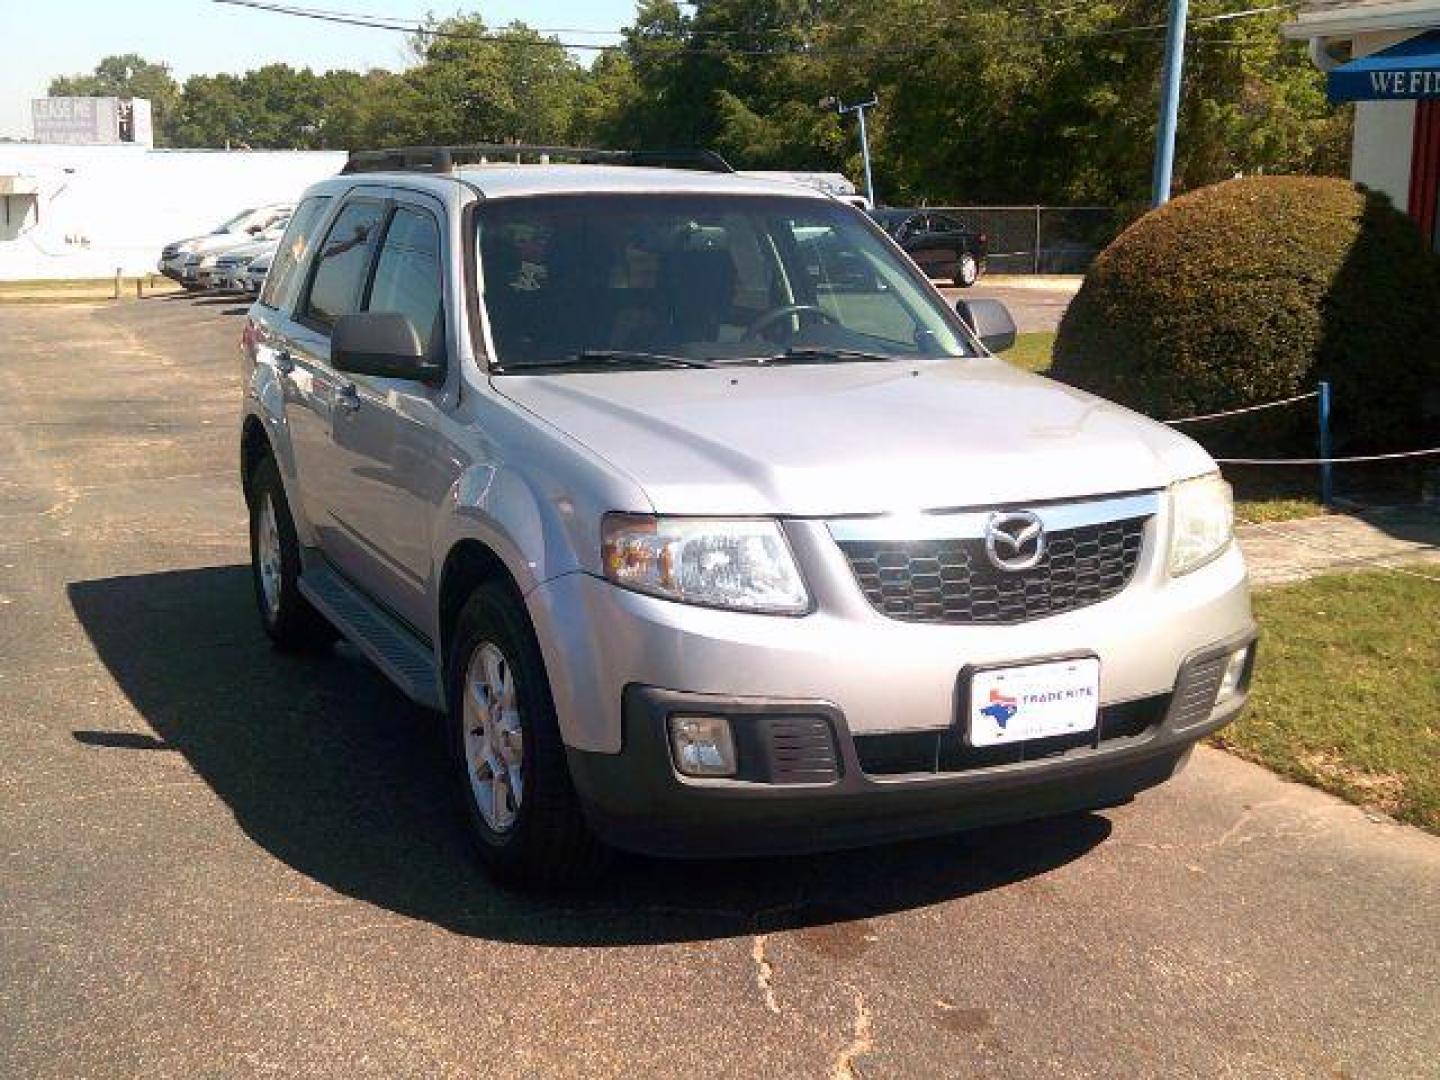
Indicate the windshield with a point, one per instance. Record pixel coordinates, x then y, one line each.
233 223
705 278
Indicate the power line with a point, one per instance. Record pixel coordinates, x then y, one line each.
410 25
395 25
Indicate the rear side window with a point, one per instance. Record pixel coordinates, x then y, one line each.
342 263
407 273
279 283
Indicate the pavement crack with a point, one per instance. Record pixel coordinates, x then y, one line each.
764 973
862 1041
1239 823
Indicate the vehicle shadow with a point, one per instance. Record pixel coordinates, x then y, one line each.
329 769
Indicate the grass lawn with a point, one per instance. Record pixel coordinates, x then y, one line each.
1347 690
1276 508
61 289
1032 351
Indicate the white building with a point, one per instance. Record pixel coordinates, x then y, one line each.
1384 55
71 211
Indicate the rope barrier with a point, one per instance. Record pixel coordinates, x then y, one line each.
1247 409
1331 460
1345 557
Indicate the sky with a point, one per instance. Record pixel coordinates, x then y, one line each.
44 38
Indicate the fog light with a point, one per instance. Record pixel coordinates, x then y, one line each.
1234 675
702 745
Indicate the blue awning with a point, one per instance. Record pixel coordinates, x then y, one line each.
1403 72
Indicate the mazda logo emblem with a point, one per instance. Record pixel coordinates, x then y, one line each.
1015 541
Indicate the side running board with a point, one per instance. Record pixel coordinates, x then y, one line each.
391 646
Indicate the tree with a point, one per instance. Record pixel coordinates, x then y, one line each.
128 75
477 85
213 112
980 100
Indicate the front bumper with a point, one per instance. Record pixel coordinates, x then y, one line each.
810 783
883 674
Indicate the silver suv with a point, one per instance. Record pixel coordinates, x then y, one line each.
708 524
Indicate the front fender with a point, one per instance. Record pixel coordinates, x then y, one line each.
265 401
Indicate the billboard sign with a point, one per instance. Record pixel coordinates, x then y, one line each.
92 120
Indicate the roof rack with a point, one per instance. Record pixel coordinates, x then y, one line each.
443 159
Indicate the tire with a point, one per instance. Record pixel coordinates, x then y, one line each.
495 688
967 270
286 616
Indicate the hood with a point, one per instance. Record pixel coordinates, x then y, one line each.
857 438
212 242
252 250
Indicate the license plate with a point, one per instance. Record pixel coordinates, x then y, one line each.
1033 701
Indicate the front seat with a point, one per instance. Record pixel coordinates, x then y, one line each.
699 293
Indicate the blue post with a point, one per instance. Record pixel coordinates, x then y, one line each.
858 109
865 153
1327 479
1170 101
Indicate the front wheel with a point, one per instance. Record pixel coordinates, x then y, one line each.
287 617
967 270
508 759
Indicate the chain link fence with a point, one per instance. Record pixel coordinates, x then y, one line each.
1039 239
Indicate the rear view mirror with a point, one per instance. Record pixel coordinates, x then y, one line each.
990 321
382 343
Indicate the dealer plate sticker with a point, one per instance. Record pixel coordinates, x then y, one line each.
1033 701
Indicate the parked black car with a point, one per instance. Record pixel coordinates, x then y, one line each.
941 245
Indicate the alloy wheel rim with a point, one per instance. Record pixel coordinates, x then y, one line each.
494 738
268 552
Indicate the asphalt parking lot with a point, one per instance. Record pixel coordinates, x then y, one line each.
1036 304
222 861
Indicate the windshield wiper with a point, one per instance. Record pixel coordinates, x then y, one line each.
806 354
608 358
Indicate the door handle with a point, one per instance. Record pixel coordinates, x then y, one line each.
284 362
347 398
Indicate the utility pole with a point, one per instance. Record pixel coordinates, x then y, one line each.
1170 101
859 110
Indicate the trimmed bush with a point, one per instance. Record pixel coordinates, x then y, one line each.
1256 289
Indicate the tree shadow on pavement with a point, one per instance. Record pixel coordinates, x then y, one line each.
334 772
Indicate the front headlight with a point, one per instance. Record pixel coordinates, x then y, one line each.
744 565
1203 514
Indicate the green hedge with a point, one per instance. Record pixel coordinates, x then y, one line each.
1255 289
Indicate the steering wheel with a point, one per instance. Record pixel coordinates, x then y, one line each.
770 318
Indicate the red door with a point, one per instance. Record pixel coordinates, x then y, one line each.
1425 170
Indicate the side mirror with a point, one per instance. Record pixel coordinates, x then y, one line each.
990 321
382 343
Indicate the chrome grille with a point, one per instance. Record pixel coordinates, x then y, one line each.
954 581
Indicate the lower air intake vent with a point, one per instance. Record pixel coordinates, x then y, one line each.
787 750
